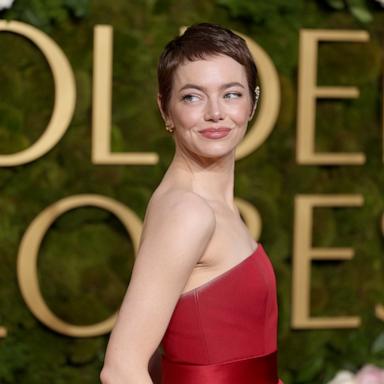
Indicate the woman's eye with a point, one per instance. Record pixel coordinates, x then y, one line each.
232 95
190 98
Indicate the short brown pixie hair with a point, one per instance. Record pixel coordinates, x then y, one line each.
198 42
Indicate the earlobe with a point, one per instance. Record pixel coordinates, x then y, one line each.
169 126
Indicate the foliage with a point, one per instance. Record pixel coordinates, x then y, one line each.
46 14
86 257
360 9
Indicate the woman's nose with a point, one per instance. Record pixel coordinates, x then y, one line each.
214 111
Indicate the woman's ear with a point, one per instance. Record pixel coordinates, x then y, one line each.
159 104
169 126
166 118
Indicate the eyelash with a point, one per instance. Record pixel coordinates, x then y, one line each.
187 98
237 94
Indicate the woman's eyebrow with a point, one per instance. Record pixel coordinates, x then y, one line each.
201 88
233 84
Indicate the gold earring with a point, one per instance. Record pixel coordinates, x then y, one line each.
169 127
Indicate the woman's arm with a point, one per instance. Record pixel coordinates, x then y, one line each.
177 230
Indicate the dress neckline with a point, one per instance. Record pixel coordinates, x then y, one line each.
221 275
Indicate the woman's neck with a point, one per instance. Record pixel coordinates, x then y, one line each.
212 179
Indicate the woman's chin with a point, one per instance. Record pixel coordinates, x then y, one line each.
216 153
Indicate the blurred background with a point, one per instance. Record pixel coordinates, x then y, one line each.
86 256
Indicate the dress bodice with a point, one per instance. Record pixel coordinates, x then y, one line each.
230 318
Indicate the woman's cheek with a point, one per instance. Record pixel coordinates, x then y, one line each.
190 117
241 116
185 115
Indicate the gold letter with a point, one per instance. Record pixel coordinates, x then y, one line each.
382 114
102 104
379 308
251 217
3 332
269 101
379 311
309 92
303 253
29 249
65 94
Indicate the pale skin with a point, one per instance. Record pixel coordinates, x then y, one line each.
192 230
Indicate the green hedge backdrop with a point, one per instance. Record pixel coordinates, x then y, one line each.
86 257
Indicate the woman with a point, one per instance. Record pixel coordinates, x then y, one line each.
201 286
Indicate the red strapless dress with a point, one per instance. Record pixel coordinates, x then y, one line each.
225 331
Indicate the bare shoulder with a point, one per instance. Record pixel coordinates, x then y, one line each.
181 217
182 206
177 229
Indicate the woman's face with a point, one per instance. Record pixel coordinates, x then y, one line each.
210 106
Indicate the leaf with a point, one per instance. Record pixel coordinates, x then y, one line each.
378 344
80 8
311 369
361 14
336 4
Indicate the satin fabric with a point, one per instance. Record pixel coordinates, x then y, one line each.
257 370
216 327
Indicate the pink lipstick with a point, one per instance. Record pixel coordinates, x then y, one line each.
215 133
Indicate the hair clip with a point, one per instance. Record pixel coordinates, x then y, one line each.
257 93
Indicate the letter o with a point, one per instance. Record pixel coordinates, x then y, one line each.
65 94
269 100
28 254
251 217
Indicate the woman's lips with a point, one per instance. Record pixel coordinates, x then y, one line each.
215 133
